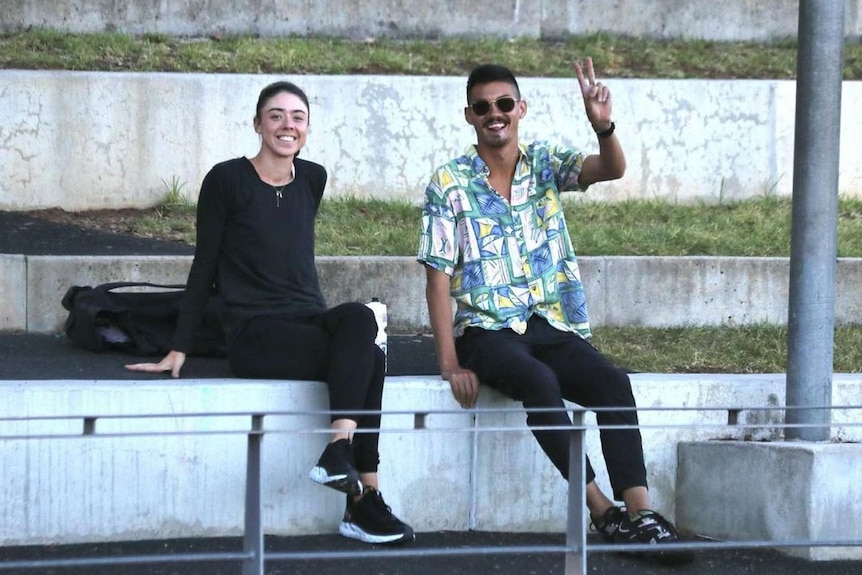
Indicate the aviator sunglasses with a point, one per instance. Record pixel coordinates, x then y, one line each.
505 104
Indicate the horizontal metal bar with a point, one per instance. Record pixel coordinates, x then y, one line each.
406 552
122 560
422 412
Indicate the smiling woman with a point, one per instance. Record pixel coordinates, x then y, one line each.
255 247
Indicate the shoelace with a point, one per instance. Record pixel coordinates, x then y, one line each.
384 510
661 526
606 525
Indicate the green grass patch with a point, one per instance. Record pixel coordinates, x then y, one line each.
751 228
615 56
352 226
748 349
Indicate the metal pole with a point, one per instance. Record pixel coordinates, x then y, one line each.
811 314
253 536
576 531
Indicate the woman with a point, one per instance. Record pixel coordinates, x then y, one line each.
255 244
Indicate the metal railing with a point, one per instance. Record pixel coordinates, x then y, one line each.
254 556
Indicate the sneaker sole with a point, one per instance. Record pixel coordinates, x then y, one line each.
342 483
351 531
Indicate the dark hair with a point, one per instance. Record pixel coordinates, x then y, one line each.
487 73
276 88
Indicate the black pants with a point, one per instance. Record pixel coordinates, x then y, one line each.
545 366
335 346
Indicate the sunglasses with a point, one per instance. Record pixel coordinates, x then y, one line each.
505 104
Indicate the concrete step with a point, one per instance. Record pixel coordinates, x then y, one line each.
166 458
642 291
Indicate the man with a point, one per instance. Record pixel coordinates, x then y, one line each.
494 238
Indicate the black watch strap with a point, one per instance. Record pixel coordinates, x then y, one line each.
608 132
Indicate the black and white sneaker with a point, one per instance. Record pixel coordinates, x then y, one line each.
608 523
370 520
335 468
651 528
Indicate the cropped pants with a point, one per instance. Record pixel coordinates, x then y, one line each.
545 366
335 346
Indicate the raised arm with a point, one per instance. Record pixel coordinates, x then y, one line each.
610 162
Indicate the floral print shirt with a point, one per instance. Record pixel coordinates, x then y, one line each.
511 259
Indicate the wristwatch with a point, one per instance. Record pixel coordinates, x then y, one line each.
608 132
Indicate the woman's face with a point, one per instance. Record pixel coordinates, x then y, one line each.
283 124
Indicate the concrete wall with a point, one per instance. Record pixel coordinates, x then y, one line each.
769 505
79 140
737 20
634 291
77 489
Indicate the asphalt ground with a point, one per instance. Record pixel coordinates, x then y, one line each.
51 357
707 562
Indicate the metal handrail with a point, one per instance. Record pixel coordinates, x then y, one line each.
254 555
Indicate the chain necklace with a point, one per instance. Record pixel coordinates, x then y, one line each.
278 195
278 189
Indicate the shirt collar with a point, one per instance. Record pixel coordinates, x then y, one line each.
481 168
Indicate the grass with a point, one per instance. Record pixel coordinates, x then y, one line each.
758 227
350 226
614 56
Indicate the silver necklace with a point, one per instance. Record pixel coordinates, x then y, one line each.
278 195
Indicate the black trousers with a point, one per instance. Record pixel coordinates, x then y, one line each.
545 366
335 346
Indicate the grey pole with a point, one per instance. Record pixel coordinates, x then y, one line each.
813 251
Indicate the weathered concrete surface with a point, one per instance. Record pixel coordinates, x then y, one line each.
76 488
633 291
85 140
775 491
738 20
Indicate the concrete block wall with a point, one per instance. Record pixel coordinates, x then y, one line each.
633 291
738 20
104 488
801 491
126 136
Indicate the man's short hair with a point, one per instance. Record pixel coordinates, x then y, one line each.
487 73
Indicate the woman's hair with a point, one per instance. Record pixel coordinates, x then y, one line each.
276 88
488 73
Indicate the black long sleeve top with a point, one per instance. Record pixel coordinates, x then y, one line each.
254 246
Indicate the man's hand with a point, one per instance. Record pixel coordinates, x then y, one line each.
465 385
597 97
172 362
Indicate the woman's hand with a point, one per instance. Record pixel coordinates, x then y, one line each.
172 362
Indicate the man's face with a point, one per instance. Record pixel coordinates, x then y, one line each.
494 111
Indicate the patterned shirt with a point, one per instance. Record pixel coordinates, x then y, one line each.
508 260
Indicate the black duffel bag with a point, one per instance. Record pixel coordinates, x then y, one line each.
138 322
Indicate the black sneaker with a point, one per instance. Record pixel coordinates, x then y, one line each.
650 527
335 468
370 520
608 523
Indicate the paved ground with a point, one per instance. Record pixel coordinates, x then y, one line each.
725 562
35 357
25 356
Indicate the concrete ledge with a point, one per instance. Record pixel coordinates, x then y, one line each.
773 492
117 488
635 291
13 286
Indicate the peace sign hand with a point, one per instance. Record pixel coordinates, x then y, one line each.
597 96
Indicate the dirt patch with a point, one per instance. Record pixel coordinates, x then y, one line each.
127 221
